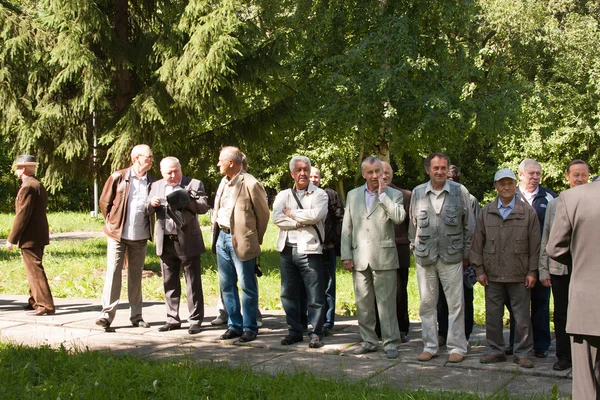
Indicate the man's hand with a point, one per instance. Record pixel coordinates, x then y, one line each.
483 280
155 201
382 185
546 282
530 281
287 212
348 265
9 245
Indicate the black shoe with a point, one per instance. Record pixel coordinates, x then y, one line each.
247 336
169 327
194 328
561 365
141 323
326 331
315 342
289 339
103 322
229 334
403 337
540 353
508 351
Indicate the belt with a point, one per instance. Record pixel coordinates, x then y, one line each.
172 237
225 229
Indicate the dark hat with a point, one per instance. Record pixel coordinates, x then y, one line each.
178 199
25 160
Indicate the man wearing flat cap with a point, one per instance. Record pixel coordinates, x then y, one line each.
30 232
177 200
505 252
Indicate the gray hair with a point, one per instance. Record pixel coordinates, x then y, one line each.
139 150
369 161
297 159
168 161
528 162
233 154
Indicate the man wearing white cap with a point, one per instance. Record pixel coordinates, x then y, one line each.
30 231
504 253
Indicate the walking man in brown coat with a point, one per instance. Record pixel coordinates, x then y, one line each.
30 232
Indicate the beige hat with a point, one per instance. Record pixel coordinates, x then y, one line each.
25 160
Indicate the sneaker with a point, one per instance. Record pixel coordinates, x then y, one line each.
455 358
219 321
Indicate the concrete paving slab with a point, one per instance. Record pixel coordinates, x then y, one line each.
126 344
34 334
529 386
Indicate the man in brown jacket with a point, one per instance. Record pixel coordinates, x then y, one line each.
128 228
504 252
30 232
574 241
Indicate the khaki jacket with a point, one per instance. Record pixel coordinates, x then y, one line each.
249 216
506 250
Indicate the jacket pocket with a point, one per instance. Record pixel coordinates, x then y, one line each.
521 246
422 246
455 244
423 219
451 216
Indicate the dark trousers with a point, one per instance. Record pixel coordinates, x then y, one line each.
401 291
540 317
442 312
586 367
39 290
329 269
171 262
560 291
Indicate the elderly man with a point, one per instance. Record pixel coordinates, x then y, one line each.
240 222
30 232
505 252
440 235
300 214
556 275
331 245
369 252
574 242
128 228
177 200
530 191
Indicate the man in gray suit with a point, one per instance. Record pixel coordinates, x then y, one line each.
179 241
574 242
369 251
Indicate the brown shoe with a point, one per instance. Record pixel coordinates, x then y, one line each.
455 358
524 362
41 311
492 358
426 356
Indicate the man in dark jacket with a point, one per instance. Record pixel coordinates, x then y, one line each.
128 228
30 232
504 252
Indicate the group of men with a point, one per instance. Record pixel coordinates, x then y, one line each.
521 245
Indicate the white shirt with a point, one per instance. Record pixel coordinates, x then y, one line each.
135 226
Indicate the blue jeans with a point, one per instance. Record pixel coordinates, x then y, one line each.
232 270
302 271
329 268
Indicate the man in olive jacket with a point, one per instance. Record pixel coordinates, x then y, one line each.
505 252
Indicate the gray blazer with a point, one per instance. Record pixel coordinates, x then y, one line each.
573 240
368 236
189 236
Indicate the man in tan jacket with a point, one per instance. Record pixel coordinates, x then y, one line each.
504 252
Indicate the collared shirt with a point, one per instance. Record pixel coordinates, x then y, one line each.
506 210
226 201
370 197
170 227
529 196
437 196
136 226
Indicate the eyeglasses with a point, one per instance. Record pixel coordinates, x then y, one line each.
143 155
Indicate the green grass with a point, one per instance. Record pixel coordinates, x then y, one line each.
59 222
44 373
